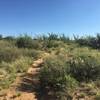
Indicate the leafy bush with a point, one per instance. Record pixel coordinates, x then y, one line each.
18 66
84 67
24 42
91 41
9 38
9 54
30 53
5 44
51 44
27 42
53 76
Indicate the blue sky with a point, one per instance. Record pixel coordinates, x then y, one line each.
43 16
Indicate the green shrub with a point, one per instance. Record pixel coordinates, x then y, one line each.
30 53
21 64
9 38
5 83
5 44
84 67
51 44
27 42
53 76
9 71
24 42
9 54
91 41
97 97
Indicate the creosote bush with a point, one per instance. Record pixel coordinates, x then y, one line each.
51 44
27 42
54 76
24 42
9 54
30 53
90 41
85 68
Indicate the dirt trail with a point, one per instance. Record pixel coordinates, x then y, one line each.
24 87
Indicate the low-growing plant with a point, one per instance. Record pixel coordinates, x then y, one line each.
21 64
9 71
54 76
47 44
9 54
97 97
85 67
30 53
91 41
28 42
5 82
6 44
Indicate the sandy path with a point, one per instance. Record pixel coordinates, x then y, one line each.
26 83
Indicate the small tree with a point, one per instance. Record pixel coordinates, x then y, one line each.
24 42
